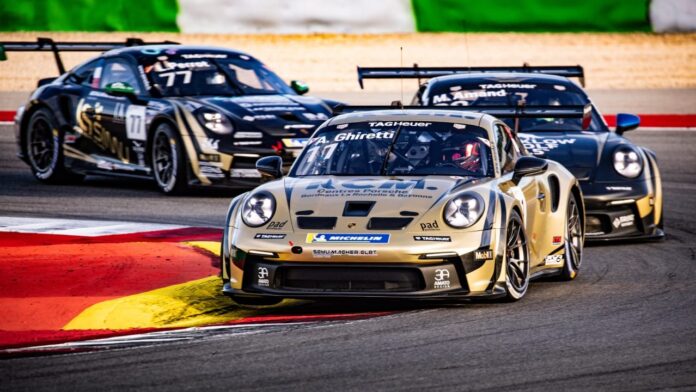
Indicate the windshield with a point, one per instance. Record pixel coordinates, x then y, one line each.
189 74
511 94
396 148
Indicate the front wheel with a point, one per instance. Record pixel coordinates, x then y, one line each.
168 160
573 240
516 258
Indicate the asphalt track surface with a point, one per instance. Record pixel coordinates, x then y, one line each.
628 322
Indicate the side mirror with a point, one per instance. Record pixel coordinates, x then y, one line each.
119 89
270 166
626 122
529 166
299 87
3 55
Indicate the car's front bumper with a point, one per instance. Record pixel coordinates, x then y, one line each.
623 212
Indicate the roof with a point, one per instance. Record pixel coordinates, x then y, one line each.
425 115
156 49
526 77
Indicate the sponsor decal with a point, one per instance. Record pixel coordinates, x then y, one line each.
328 253
434 238
619 188
204 56
382 124
295 143
442 278
88 117
139 149
210 170
369 188
557 239
248 143
313 238
486 254
68 139
263 276
245 173
212 144
209 157
623 221
276 225
540 145
269 236
432 226
553 260
526 86
315 117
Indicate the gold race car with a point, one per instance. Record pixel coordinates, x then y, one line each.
417 203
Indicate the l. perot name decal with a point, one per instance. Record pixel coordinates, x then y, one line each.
314 238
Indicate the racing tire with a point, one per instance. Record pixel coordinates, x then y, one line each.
516 259
168 163
44 149
255 301
573 240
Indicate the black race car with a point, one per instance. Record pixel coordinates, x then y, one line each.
181 115
620 180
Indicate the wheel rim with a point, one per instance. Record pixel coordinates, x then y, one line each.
164 161
41 146
574 235
517 259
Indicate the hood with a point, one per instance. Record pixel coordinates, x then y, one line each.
285 113
351 202
579 152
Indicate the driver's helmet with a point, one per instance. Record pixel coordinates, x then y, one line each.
466 157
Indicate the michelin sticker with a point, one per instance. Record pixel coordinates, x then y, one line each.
314 238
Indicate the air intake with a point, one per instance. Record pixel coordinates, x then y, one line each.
316 222
358 208
388 223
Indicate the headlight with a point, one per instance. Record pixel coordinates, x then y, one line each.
215 121
258 209
464 210
627 162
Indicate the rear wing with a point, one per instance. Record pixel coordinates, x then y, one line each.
416 72
49 45
568 111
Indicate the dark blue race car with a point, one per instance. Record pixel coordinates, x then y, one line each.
620 180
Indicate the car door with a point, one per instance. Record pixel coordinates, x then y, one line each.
529 189
122 115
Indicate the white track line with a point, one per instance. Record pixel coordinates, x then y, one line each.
77 227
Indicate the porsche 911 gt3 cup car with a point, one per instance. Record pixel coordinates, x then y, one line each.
404 204
181 115
620 180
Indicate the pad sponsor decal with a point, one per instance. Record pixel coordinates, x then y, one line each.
429 226
328 253
557 239
314 238
269 236
434 238
276 225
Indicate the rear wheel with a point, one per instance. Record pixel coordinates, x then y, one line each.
573 240
516 258
44 149
168 160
